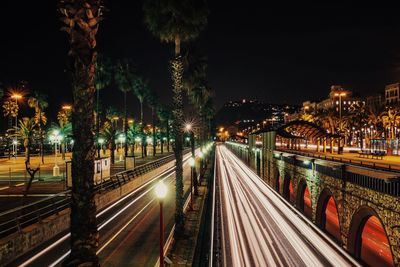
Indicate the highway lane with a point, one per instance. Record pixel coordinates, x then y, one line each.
259 228
128 229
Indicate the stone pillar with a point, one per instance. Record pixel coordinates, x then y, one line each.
324 146
332 144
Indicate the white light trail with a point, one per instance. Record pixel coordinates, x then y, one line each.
262 230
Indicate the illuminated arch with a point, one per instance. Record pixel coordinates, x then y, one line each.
304 198
327 215
368 240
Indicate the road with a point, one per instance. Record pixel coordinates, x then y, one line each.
128 228
259 228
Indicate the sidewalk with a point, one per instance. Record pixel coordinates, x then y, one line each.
183 250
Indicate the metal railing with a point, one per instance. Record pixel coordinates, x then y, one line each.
16 219
365 163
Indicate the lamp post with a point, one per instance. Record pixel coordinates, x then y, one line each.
161 192
15 144
121 139
55 138
101 142
191 163
340 117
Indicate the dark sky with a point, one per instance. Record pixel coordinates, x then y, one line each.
278 53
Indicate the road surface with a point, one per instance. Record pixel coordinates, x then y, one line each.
128 229
259 228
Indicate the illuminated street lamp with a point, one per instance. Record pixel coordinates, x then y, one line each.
101 142
15 144
192 162
56 138
121 139
161 192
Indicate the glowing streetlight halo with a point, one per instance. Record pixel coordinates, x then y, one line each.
161 190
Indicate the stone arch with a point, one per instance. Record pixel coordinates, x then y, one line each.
288 189
368 240
277 181
327 215
304 198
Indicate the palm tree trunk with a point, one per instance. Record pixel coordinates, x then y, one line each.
84 234
112 150
154 131
63 151
27 152
177 71
168 136
97 122
125 128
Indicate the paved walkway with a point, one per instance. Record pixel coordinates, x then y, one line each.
182 251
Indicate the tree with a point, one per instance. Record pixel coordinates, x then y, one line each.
124 77
81 20
26 129
110 134
133 133
176 22
164 115
65 130
102 79
39 102
152 100
141 91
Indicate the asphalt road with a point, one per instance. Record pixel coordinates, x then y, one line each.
129 230
259 228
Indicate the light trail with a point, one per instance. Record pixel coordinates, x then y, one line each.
260 229
62 239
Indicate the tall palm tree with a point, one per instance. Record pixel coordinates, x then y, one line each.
152 100
110 133
133 133
81 20
176 22
164 115
141 90
39 102
102 79
124 76
27 127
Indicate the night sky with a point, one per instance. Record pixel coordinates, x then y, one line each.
278 54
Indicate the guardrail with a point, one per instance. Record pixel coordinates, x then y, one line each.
365 163
16 219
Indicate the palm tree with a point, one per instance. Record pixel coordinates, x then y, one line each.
152 100
39 102
110 134
102 79
124 77
133 133
141 90
26 129
164 115
65 130
81 20
176 22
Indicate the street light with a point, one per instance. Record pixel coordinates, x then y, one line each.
121 139
56 138
101 142
192 162
161 192
15 147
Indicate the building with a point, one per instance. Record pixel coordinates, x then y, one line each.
392 94
375 101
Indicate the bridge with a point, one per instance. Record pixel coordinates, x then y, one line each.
355 202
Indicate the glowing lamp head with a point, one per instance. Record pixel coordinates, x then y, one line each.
201 154
191 161
101 141
16 96
56 132
188 127
15 142
161 190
